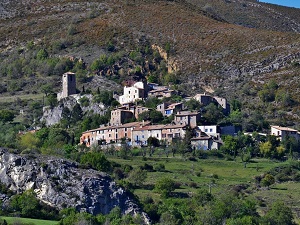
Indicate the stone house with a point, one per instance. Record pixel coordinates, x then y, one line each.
161 92
133 93
187 118
206 99
120 116
282 132
173 131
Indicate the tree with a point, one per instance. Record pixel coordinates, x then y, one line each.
268 180
97 160
29 141
213 114
137 176
6 115
230 145
26 204
42 54
52 100
193 104
279 214
156 116
152 102
265 148
47 88
76 113
165 186
153 141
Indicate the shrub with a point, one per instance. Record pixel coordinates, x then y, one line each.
160 167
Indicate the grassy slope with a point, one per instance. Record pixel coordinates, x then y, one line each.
230 173
14 220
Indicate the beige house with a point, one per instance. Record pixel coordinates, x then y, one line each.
110 134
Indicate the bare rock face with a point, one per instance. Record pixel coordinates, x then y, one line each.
61 183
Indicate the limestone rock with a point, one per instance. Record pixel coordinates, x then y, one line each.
61 183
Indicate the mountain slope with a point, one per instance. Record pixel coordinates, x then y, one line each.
208 50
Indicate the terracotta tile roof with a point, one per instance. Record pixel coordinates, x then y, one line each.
173 126
150 127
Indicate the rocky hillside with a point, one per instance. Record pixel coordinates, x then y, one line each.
61 183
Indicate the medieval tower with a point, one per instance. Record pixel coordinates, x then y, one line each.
68 85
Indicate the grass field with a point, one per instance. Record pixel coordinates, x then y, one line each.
12 220
12 98
225 174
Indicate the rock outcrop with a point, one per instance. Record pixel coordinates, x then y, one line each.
53 116
61 183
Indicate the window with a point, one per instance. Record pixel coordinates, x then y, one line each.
210 130
143 136
156 135
125 129
125 134
206 130
128 92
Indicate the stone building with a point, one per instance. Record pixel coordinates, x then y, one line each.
187 118
68 85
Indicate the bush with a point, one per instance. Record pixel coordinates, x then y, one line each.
160 167
165 186
147 167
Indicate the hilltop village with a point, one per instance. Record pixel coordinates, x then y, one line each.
130 122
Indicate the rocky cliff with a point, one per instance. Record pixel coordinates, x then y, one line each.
62 183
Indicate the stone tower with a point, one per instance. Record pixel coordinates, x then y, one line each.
68 85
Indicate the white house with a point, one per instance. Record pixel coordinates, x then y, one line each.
133 93
283 132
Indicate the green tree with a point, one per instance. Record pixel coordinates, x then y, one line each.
52 100
26 204
165 186
153 141
193 105
137 177
29 141
97 160
279 214
76 113
267 180
47 88
265 148
212 114
6 115
230 145
152 102
42 54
